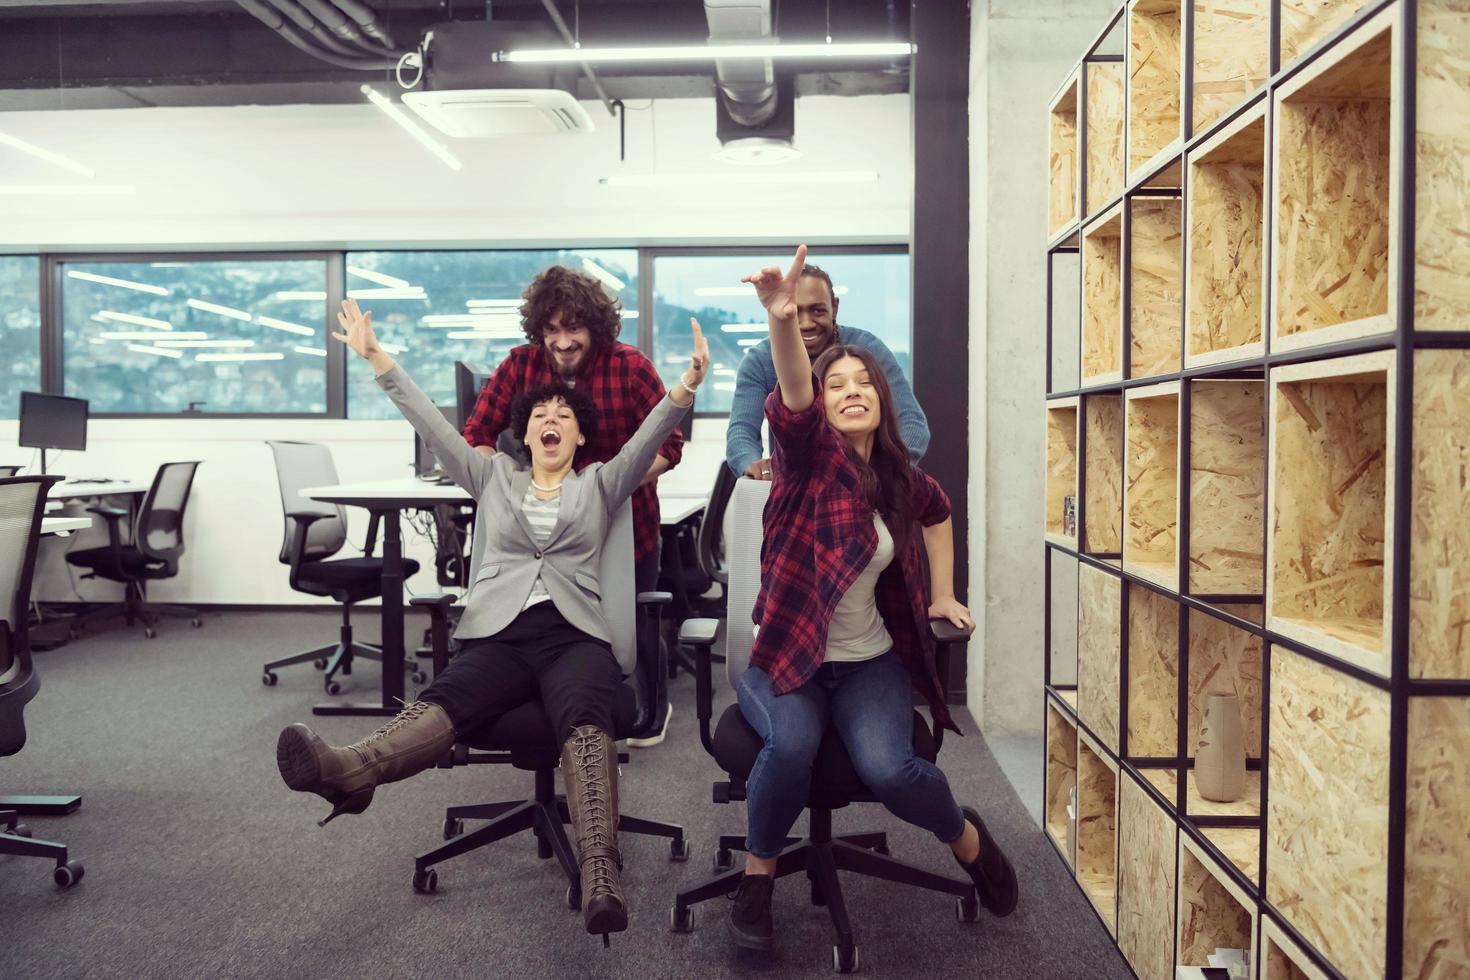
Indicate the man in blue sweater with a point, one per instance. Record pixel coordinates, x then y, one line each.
816 312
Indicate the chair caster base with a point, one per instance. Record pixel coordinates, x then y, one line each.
426 882
681 919
68 874
844 960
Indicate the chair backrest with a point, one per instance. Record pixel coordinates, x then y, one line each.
743 561
711 546
308 464
160 531
619 592
22 503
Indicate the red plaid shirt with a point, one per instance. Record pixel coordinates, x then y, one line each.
822 538
622 383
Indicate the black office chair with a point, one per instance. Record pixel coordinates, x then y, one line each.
835 783
22 501
702 556
524 738
314 531
153 553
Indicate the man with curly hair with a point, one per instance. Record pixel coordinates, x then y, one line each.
572 326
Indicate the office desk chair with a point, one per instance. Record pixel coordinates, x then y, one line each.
835 784
524 738
314 532
153 553
702 560
22 501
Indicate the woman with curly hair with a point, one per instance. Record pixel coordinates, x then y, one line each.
532 624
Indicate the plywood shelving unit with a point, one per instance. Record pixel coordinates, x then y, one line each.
1062 148
1061 777
1272 400
1061 468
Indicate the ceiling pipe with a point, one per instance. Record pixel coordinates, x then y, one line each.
303 19
272 18
367 19
747 88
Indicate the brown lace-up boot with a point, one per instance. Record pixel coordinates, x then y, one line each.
590 770
410 743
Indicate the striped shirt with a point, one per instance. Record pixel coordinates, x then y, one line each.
541 515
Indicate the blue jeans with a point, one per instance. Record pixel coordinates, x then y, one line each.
869 703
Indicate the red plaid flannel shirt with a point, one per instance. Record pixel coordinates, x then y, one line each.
820 537
622 383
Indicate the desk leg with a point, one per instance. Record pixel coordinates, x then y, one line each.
392 645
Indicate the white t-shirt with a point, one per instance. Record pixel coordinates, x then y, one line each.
541 515
857 631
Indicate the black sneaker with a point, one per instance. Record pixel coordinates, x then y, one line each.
995 879
750 914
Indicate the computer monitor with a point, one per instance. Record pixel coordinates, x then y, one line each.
469 378
52 422
424 463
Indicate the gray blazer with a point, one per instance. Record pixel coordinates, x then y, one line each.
505 556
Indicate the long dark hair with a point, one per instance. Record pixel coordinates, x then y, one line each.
887 477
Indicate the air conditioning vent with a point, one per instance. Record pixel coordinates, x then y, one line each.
489 113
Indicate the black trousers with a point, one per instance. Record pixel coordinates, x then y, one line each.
539 655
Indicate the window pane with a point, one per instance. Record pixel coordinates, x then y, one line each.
443 307
872 295
20 330
232 335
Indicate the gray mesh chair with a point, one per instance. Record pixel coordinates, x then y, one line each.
524 737
835 783
314 532
22 500
156 545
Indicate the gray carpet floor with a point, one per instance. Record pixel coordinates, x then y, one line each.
201 864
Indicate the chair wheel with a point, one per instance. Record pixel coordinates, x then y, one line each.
724 860
681 919
574 898
68 874
426 882
679 849
320 663
845 963
967 909
453 827
269 679
333 687
149 632
418 677
196 622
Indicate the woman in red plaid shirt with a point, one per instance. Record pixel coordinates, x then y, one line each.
844 637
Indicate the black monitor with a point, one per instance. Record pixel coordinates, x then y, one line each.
424 463
469 378
52 422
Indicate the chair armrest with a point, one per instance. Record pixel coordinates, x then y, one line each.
700 635
113 516
438 606
437 603
699 632
655 598
371 542
304 520
944 631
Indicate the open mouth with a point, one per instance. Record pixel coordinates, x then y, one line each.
810 336
550 439
855 411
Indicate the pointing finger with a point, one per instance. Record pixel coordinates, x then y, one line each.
797 264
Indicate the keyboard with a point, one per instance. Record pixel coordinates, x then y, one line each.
92 479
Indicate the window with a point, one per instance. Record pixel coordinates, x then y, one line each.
239 335
20 330
435 308
872 288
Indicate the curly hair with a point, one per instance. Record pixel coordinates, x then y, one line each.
581 300
578 401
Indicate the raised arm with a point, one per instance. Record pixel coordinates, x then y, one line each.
464 465
777 294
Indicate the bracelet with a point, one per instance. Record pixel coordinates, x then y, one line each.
687 388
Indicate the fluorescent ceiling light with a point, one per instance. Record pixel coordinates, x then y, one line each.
413 128
392 348
744 289
142 321
471 320
216 358
152 335
483 335
509 304
745 327
389 292
720 372
286 325
381 278
66 163
743 178
630 314
708 52
155 351
313 351
602 275
228 311
141 287
204 343
65 190
748 341
306 294
724 386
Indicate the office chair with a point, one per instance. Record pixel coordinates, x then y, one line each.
835 784
524 738
22 501
153 553
704 567
314 531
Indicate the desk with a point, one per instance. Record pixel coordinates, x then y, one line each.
70 489
64 525
387 499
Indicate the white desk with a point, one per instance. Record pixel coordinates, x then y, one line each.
64 525
409 492
68 489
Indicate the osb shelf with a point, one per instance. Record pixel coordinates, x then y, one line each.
1442 185
1335 245
1104 122
1070 697
1061 776
1226 219
1439 550
1099 651
1328 557
1102 299
1063 619
1097 823
1156 282
1155 50
1214 912
1249 804
1232 40
1103 513
1305 22
1153 674
1327 813
1166 781
1227 487
1146 879
1151 484
1062 146
1283 959
1437 849
1241 845
1061 469
1225 660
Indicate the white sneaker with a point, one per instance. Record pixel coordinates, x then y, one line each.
643 743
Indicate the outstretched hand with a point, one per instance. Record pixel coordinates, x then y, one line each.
357 329
699 360
776 292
